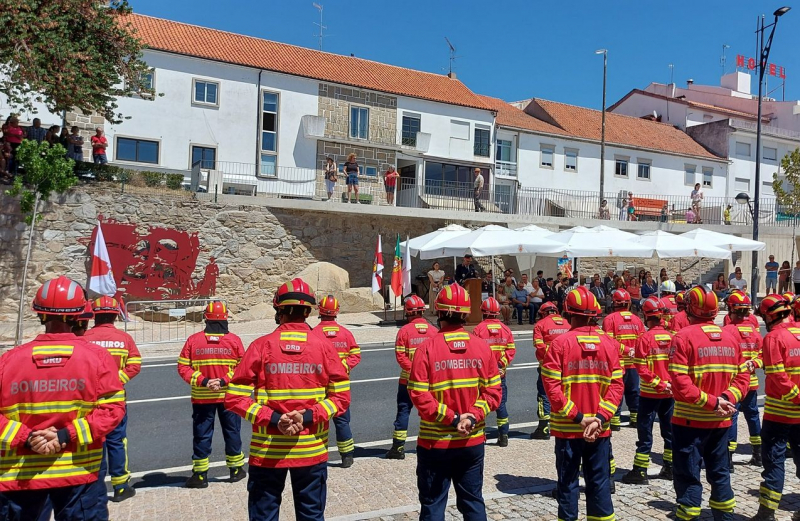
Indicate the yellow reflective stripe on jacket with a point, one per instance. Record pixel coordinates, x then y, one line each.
418 386
277 446
438 432
315 393
9 433
184 361
781 408
450 337
585 379
294 336
338 387
34 467
550 373
441 412
83 431
53 351
457 383
61 407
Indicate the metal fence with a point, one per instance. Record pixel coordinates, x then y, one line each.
164 321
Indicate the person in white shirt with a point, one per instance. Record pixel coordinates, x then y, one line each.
697 203
737 281
526 283
477 185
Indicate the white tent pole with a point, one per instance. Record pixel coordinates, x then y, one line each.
494 285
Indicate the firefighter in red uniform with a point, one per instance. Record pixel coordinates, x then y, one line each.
300 385
708 375
583 379
207 362
129 361
749 339
549 326
652 363
345 344
681 319
410 336
782 404
501 341
626 328
749 318
454 383
51 441
668 296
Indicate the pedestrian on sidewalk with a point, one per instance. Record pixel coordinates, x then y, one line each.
416 331
300 385
454 384
749 339
784 275
207 363
331 176
352 170
346 346
122 347
771 277
390 184
501 341
697 203
781 410
655 395
477 186
796 277
583 379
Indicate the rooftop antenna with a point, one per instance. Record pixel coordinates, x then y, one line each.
452 55
322 27
722 58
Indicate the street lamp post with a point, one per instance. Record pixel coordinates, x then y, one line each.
604 52
763 58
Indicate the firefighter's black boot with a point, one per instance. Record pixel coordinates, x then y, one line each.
238 474
123 492
730 462
502 440
347 460
756 459
398 451
198 480
666 472
542 432
636 476
764 514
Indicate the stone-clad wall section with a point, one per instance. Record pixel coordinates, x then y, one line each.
334 106
256 248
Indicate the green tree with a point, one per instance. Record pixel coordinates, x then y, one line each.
47 171
69 55
787 190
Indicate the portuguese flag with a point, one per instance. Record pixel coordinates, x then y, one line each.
397 271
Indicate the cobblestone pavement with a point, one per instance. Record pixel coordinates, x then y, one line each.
517 484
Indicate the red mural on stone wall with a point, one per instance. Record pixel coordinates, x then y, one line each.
153 263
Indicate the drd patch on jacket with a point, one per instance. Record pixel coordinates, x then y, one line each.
293 341
457 341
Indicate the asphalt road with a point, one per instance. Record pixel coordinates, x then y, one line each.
160 423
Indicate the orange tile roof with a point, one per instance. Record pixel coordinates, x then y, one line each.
620 130
683 101
510 116
222 46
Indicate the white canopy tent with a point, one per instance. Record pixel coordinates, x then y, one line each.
492 240
725 241
526 261
601 241
433 239
667 245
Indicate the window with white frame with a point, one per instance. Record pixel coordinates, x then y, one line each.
359 122
769 154
206 157
137 150
411 125
621 167
742 149
459 129
571 159
547 156
206 92
269 129
482 139
708 177
741 184
643 170
689 172
503 150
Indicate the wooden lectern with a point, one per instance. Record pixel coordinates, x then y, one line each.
473 287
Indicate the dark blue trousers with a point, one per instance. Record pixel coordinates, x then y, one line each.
691 447
631 380
773 451
344 436
571 454
309 490
117 452
543 402
437 468
77 503
97 489
502 412
404 407
649 409
203 428
748 406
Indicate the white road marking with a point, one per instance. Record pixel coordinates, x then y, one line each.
159 365
165 399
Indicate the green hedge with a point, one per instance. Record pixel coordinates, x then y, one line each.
174 181
362 198
112 173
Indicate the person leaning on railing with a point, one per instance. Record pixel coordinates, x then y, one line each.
331 171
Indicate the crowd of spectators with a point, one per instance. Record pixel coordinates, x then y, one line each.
13 134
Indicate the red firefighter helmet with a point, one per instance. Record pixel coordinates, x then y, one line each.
454 299
329 306
60 296
654 307
490 307
772 306
414 304
295 293
680 300
701 303
738 300
548 308
216 310
788 296
581 301
620 298
105 305
88 312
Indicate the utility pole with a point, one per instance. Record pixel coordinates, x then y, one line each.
322 27
604 52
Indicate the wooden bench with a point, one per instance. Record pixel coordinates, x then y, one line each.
648 209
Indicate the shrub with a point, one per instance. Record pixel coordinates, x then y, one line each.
174 181
152 179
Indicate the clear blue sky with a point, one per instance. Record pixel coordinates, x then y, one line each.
519 49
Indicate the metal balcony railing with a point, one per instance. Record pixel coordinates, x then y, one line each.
506 168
